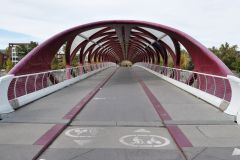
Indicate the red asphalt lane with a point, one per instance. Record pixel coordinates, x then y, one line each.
178 136
48 138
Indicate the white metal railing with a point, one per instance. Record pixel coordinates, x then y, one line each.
213 84
212 88
26 84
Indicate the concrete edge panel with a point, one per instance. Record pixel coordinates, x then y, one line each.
234 108
5 106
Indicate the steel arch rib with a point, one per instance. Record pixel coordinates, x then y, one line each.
41 57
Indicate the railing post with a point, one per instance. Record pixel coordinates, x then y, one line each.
234 106
89 67
80 69
5 106
68 74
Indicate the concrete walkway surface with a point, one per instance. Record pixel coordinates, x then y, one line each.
126 114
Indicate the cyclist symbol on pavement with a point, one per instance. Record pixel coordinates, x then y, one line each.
144 141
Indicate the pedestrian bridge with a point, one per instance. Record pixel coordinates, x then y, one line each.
102 110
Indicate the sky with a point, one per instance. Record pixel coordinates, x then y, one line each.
211 22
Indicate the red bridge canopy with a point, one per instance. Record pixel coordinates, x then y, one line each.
119 40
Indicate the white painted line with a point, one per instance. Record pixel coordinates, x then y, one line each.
142 130
148 141
99 98
236 152
81 132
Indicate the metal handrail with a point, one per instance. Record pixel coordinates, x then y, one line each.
22 83
216 85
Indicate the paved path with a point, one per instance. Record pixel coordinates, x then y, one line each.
119 115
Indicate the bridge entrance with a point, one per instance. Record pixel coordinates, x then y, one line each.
134 114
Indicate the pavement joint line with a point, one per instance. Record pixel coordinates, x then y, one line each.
200 124
198 128
81 154
51 135
33 122
125 126
204 149
178 136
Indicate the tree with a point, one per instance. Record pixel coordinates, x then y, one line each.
228 54
184 60
54 64
62 62
170 61
9 65
23 49
75 61
236 65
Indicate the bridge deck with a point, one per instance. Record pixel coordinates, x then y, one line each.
135 115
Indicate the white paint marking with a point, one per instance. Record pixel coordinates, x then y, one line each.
236 152
142 130
99 98
81 132
82 142
148 141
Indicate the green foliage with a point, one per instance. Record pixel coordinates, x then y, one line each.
186 61
75 61
190 65
54 64
4 65
9 65
7 61
236 65
161 62
23 50
229 55
58 63
62 62
170 61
